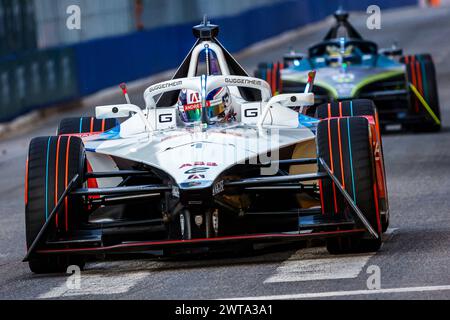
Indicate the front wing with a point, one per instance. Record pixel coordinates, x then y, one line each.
312 224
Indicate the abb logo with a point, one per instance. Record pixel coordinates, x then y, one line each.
195 164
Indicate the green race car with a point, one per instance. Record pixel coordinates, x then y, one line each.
403 87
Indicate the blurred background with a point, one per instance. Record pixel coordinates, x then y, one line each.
43 62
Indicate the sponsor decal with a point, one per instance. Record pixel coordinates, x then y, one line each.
195 106
165 85
194 97
243 81
196 177
165 118
197 170
251 113
218 188
195 164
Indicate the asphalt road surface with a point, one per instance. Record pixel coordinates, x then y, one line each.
413 262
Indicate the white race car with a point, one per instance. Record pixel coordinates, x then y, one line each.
212 161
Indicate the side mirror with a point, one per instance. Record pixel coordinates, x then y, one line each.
121 111
116 111
289 101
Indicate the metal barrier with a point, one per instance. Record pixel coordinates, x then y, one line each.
35 80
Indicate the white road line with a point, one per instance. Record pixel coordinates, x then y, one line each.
105 278
317 264
345 293
97 285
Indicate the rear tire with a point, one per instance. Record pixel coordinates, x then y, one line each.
345 145
52 164
271 73
422 74
352 108
85 125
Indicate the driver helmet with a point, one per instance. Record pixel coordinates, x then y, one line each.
218 101
218 105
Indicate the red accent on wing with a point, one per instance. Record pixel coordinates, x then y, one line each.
211 240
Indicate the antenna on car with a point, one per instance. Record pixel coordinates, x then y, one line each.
341 17
310 83
205 30
124 88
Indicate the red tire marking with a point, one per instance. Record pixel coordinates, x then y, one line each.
56 178
419 81
332 165
66 200
92 124
414 80
340 152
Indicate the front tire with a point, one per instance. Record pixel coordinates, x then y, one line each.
363 108
345 145
52 164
